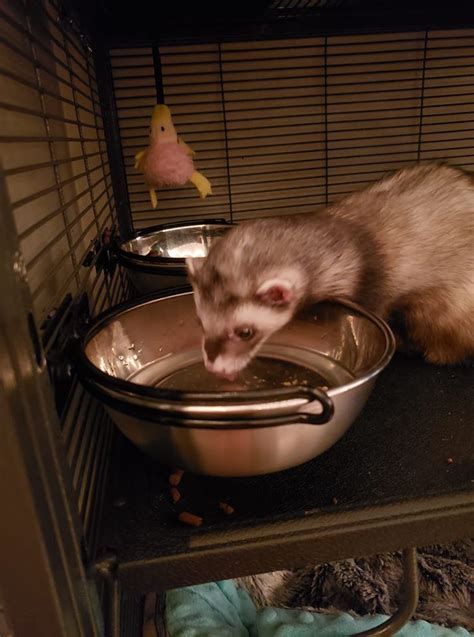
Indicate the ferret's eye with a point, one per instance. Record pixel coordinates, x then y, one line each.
163 129
244 333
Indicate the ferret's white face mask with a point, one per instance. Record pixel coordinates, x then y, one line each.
229 343
232 336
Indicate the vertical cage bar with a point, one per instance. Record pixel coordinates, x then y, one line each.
113 140
160 89
422 96
226 139
100 141
326 140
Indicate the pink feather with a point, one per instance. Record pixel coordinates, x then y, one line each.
166 165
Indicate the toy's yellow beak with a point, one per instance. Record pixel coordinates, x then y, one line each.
162 129
161 115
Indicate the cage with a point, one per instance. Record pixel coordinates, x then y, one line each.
289 104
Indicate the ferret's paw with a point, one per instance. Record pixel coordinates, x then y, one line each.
448 356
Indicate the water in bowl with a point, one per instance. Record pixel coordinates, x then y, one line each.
275 368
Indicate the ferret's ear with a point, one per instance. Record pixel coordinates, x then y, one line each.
276 292
194 265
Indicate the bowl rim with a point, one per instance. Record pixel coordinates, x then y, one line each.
138 261
95 378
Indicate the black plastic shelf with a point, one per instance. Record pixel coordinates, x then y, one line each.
402 476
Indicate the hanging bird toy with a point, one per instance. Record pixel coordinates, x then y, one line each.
168 161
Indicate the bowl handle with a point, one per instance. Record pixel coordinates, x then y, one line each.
324 405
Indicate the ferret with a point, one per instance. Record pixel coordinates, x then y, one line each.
402 247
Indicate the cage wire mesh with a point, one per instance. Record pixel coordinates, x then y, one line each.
284 126
54 155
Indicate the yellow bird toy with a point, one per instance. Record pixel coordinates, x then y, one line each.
168 161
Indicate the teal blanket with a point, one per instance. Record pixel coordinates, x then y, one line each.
220 609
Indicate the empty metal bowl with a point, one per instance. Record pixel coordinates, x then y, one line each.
142 360
154 258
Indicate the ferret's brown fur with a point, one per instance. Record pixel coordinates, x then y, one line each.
402 247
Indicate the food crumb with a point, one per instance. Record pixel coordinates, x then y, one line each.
335 500
175 494
449 460
226 508
175 477
189 518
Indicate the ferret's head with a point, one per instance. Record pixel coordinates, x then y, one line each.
241 298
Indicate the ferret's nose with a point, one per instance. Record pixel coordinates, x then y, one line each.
213 347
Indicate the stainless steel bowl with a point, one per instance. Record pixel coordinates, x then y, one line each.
171 243
129 350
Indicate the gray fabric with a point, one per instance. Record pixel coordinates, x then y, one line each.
371 585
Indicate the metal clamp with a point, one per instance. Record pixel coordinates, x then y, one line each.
60 326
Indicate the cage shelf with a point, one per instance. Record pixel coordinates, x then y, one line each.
402 476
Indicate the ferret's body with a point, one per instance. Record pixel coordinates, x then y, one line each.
403 246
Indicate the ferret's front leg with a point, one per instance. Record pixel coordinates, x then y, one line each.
450 338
